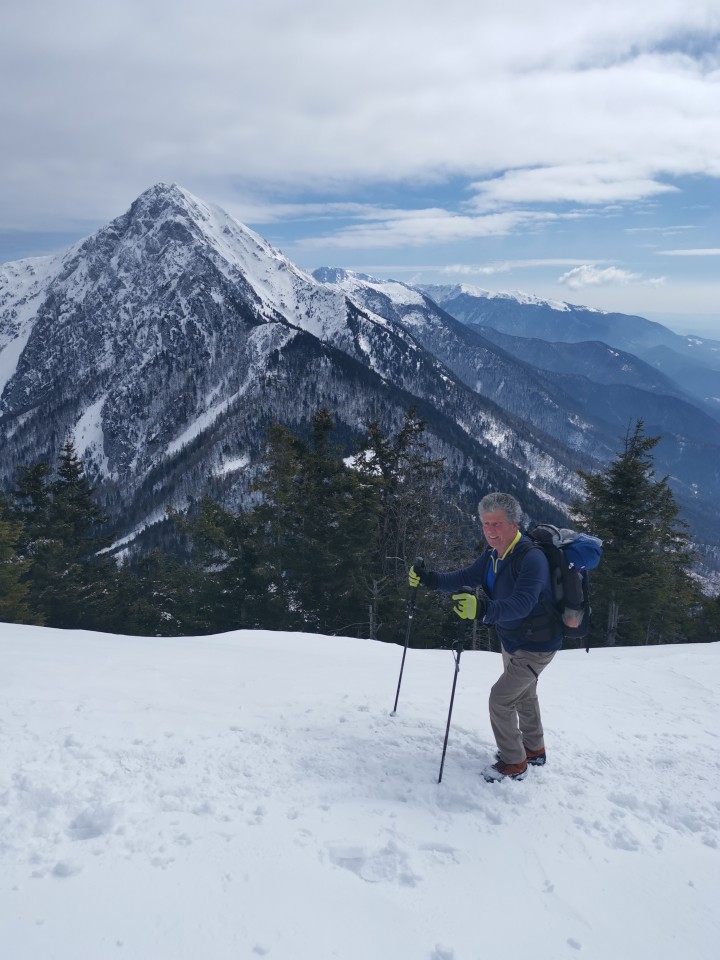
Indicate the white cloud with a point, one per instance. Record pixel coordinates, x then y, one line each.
591 102
666 231
511 134
702 252
252 211
589 275
424 227
590 183
505 266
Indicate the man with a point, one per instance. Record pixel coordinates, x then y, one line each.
514 577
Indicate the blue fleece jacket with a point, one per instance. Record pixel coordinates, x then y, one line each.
512 598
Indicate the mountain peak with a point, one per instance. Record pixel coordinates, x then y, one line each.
162 189
339 274
166 195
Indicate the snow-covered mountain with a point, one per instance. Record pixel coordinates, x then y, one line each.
478 362
581 394
167 341
694 361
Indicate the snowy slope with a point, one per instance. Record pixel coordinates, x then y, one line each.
173 271
445 292
525 315
248 795
575 405
168 341
23 287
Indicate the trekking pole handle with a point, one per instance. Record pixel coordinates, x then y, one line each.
419 564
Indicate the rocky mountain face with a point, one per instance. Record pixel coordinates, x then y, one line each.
482 365
583 394
167 342
164 345
693 361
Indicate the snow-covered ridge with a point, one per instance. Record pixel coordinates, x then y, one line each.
23 286
350 281
450 291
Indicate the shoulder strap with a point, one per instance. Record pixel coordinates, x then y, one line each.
546 601
519 553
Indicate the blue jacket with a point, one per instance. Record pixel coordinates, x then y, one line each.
513 598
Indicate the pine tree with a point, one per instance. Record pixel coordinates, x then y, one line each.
229 592
75 517
31 501
14 592
70 584
409 525
158 598
642 590
706 622
312 532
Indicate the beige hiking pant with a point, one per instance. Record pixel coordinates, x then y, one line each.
514 707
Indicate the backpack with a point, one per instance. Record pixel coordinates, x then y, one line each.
570 555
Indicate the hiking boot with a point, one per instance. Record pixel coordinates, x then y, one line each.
538 758
502 770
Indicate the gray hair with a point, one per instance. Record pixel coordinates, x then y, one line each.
501 501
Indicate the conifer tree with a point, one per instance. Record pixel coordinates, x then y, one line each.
14 592
706 622
409 525
75 517
642 590
229 592
313 531
70 585
409 477
158 598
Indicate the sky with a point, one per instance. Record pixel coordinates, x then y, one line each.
249 795
567 150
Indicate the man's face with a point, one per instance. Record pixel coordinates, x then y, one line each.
498 531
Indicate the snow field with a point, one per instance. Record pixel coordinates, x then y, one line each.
249 795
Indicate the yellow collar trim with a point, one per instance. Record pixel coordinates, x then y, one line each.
496 559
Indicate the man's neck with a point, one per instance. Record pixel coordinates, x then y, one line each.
509 547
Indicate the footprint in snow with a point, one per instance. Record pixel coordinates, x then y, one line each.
387 864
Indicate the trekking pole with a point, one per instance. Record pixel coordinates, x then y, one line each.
458 649
418 565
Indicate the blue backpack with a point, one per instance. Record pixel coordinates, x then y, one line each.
570 555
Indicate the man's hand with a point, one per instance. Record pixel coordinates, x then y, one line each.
469 607
416 577
465 605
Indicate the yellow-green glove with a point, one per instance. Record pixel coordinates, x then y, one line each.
413 578
465 606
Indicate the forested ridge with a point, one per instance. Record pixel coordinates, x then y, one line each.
327 545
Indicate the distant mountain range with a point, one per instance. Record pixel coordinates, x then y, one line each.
165 343
693 361
583 394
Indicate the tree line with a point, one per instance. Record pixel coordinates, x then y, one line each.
327 545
